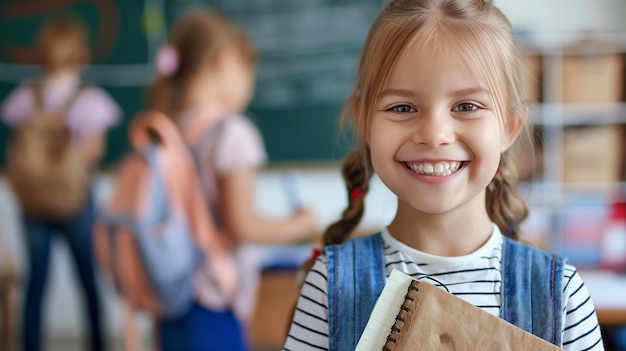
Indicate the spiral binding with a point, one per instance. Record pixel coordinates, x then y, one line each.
396 328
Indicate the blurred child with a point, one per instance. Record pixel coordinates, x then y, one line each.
207 72
9 284
437 104
88 111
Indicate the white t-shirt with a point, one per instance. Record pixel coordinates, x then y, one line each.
475 278
238 144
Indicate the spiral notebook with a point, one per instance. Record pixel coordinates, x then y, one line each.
414 315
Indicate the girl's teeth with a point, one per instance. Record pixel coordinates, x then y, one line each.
437 169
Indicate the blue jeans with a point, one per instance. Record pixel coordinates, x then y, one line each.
201 329
38 235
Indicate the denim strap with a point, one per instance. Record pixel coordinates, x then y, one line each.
356 277
532 290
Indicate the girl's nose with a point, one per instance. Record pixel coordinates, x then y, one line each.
434 129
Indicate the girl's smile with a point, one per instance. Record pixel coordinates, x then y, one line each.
434 168
434 172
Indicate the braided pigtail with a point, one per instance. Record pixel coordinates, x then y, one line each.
505 205
356 172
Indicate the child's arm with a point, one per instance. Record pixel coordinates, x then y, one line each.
582 331
94 145
243 221
132 339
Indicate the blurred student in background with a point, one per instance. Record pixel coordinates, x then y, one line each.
207 71
87 112
9 284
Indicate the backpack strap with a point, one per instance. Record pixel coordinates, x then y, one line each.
72 99
208 135
196 149
38 97
356 277
532 290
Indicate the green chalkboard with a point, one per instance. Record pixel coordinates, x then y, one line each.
308 49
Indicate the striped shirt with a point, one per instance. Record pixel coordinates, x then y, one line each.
475 278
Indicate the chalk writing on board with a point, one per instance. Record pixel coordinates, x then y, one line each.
309 49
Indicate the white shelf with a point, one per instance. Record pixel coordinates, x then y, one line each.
558 194
556 114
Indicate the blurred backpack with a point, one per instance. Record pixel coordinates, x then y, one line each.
158 225
46 169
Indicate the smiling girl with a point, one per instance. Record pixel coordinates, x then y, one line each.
438 105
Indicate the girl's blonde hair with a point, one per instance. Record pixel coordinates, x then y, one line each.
198 37
63 42
480 37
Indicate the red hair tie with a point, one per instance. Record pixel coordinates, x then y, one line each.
316 253
356 193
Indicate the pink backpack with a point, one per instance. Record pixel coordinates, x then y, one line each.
158 225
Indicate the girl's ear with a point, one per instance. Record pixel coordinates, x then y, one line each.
514 128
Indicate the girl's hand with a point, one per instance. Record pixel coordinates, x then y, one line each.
308 221
244 224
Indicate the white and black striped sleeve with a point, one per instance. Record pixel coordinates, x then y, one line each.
581 331
309 327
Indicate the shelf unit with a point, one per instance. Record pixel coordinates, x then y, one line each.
548 192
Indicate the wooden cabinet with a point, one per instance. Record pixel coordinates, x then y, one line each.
579 117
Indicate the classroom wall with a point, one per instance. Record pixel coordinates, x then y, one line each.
552 21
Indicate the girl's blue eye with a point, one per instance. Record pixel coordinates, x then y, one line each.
402 109
465 107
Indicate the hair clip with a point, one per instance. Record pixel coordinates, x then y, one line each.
167 61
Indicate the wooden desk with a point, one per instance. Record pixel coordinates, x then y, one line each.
611 317
278 293
608 293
